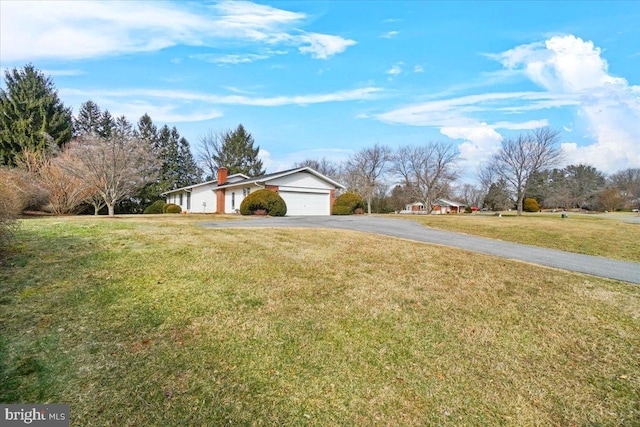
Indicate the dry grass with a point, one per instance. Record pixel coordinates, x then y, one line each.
156 321
609 236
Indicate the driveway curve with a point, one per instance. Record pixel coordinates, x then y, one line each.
411 230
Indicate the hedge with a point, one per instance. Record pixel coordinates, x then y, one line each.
347 204
156 207
266 200
172 209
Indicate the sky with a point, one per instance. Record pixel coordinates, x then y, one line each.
325 79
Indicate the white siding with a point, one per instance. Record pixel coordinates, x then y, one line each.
199 195
237 195
303 180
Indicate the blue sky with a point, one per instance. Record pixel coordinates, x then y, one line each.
324 79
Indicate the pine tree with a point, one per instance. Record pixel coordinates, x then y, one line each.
179 168
237 153
32 117
123 128
107 125
191 172
88 120
147 130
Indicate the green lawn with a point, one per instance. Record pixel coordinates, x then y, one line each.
610 236
158 321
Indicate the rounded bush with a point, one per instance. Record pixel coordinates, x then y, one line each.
530 205
172 209
156 207
347 204
264 200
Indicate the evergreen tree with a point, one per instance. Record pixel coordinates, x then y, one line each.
497 198
123 128
179 168
191 172
107 125
236 152
88 120
32 117
147 130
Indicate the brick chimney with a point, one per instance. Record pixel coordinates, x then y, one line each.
222 179
222 175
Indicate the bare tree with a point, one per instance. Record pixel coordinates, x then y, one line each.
610 199
210 144
59 191
427 171
364 170
628 182
521 157
324 166
115 166
470 195
66 192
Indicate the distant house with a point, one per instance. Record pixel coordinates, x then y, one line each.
304 190
439 206
444 206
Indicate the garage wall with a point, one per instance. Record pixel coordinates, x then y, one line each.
304 203
302 180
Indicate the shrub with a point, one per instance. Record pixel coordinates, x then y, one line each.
347 204
266 200
530 205
156 207
172 209
12 201
468 209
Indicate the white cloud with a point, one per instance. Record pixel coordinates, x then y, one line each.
572 74
571 66
182 106
322 46
560 64
395 69
275 163
418 69
389 34
63 73
460 111
68 30
230 59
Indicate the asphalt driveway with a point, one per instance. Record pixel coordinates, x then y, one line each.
406 229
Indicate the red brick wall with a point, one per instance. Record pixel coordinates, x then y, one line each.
220 201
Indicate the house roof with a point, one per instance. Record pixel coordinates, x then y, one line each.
189 187
257 180
276 175
445 202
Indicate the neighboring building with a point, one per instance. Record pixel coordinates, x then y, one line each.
444 206
305 191
440 206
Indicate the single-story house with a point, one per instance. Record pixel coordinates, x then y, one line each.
444 206
439 206
304 190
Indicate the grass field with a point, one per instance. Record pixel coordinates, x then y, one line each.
141 321
610 236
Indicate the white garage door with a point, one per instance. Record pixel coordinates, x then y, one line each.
299 203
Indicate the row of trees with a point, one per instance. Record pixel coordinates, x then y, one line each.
523 168
94 158
100 160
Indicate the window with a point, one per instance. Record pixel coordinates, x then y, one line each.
180 199
233 200
188 201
